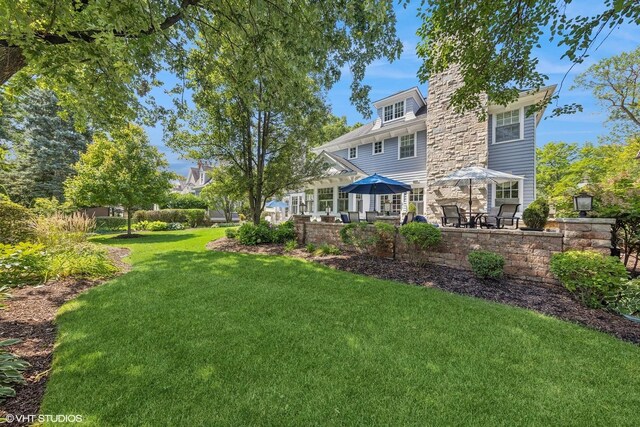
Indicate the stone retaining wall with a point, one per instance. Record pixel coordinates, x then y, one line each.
527 253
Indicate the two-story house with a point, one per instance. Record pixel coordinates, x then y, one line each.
417 141
195 181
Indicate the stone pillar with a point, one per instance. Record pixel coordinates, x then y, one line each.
300 225
586 234
454 141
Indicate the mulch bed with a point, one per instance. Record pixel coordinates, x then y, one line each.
29 316
548 299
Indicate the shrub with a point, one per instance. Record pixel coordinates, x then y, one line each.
111 223
24 263
486 265
224 224
326 249
590 275
421 234
52 206
11 369
412 207
251 234
62 230
290 245
230 233
284 232
536 214
310 247
83 260
152 226
175 226
193 217
184 201
626 300
15 223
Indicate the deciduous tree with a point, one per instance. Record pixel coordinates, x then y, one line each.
494 42
122 169
224 192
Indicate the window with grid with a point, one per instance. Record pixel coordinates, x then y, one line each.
353 152
343 201
377 147
395 200
294 205
407 146
416 196
507 192
508 126
325 199
308 200
394 111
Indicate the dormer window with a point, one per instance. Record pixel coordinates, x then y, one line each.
353 152
393 111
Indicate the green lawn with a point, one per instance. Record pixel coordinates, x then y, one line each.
191 337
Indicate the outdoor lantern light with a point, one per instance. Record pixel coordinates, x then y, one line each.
302 206
582 203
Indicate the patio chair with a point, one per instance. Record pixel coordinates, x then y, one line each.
506 215
345 218
409 217
354 216
452 216
370 216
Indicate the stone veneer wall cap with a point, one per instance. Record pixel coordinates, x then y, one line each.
585 220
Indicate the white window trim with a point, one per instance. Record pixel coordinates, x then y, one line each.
415 147
373 148
349 153
494 121
520 195
393 105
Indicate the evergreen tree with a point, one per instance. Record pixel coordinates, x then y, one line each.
43 148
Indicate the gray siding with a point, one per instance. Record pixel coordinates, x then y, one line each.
518 158
388 164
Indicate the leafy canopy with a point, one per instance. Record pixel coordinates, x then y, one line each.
494 42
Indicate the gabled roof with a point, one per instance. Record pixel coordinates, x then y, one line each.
343 166
403 94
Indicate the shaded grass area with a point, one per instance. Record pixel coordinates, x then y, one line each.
191 337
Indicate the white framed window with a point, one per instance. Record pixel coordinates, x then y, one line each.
407 146
507 192
294 205
393 111
508 126
359 204
391 201
353 152
416 196
308 200
378 147
343 201
325 199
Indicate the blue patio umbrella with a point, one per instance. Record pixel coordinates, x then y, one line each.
376 184
276 204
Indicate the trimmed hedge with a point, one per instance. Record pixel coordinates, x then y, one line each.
486 265
15 223
193 217
110 223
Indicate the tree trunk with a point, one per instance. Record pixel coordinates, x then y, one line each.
11 61
128 221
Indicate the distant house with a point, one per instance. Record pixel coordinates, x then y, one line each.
417 140
195 180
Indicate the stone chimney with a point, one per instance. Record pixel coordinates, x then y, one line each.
454 141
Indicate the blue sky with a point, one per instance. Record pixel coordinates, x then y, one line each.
386 78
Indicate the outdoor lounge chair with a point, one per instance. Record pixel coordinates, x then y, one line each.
354 216
409 217
344 217
452 216
371 216
505 215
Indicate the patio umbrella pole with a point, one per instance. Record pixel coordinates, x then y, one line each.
469 199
